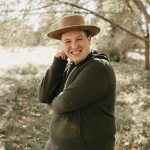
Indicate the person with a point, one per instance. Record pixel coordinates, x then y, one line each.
80 87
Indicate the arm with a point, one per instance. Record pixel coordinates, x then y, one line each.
90 84
51 81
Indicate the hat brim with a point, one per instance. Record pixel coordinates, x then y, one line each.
56 34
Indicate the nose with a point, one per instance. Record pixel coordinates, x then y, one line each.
74 45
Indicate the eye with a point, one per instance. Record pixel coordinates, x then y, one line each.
67 42
79 39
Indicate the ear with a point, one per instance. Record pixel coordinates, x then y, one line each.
89 38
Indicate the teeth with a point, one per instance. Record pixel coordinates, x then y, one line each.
76 52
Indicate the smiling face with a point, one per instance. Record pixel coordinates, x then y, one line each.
76 45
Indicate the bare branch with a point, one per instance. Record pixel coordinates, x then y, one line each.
107 20
148 2
54 12
142 8
87 11
129 6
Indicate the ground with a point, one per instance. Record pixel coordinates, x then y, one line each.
25 121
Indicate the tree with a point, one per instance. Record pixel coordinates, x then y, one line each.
143 38
49 11
143 9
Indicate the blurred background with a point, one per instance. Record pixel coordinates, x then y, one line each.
26 52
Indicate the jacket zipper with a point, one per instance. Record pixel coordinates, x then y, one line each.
69 77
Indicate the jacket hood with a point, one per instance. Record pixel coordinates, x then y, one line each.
93 54
97 55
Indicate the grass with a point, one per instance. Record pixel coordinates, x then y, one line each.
25 121
132 106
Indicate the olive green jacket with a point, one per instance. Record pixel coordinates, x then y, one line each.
82 98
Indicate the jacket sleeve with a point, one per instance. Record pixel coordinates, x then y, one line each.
48 87
92 83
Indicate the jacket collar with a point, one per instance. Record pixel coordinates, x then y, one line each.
85 60
93 54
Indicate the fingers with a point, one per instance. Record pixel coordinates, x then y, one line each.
61 55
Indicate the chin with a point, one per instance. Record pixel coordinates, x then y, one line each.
78 61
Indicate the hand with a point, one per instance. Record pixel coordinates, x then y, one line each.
61 55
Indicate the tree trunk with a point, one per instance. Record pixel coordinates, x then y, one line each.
147 50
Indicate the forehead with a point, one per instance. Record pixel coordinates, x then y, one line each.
72 34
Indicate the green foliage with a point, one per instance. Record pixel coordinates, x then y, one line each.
131 115
28 25
113 53
27 69
113 40
21 110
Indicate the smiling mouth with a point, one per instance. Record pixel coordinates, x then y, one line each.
76 52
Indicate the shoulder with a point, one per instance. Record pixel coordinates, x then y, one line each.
97 63
98 68
102 63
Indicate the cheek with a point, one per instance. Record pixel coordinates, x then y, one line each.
66 51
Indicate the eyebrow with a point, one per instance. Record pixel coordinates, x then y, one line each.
76 37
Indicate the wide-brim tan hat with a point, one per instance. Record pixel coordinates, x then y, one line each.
72 23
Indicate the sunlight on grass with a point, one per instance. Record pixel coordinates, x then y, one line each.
136 56
38 55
